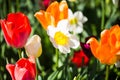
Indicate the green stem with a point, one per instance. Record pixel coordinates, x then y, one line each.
17 5
57 58
107 72
19 53
39 67
9 4
103 14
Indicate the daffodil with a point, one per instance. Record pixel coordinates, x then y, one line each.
107 51
53 14
61 38
33 46
76 21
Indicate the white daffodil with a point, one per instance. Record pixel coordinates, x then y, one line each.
33 46
76 21
61 38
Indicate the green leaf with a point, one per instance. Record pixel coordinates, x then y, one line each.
53 75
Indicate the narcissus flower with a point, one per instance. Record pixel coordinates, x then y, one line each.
108 49
24 69
61 38
76 21
33 46
80 59
16 29
54 13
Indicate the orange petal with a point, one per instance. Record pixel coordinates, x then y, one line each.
53 9
93 45
105 36
44 18
41 18
63 10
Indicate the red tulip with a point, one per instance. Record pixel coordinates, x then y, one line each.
16 29
24 69
80 59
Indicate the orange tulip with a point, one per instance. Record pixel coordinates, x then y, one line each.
108 48
54 13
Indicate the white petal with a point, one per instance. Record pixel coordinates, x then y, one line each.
64 49
117 64
63 25
70 14
79 29
74 42
53 42
51 31
84 19
80 17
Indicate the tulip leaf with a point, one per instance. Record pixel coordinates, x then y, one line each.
53 75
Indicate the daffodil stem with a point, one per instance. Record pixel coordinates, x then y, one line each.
19 53
103 14
107 72
57 58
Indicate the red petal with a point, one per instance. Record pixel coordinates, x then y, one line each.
16 29
6 31
29 66
10 68
80 59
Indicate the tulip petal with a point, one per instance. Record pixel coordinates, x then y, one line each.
63 10
44 18
16 29
10 68
53 9
27 65
93 45
7 32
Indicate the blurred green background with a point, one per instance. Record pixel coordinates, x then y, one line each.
101 14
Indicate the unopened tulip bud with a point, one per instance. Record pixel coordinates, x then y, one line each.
33 46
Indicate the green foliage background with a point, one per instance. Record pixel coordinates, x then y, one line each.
101 14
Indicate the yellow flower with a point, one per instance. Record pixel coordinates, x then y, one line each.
54 13
108 49
33 46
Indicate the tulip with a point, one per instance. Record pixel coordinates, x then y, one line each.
108 48
54 13
33 46
24 69
80 59
16 29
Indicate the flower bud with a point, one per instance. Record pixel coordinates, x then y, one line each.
33 46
